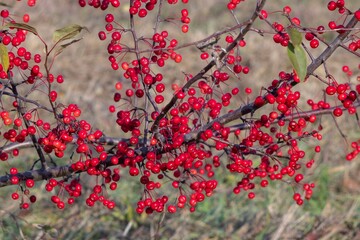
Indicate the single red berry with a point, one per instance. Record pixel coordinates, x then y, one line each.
25 205
309 36
15 196
298 177
32 198
357 15
115 3
251 195
337 112
31 3
287 9
332 25
185 28
13 171
4 13
331 5
314 43
60 205
109 18
171 209
264 183
30 183
296 21
142 13
263 14
26 18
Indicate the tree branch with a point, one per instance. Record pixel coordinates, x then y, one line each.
251 107
317 112
39 174
246 26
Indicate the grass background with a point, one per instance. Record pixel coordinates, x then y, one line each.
333 213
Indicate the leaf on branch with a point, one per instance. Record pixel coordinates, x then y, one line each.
295 36
4 57
297 58
62 47
22 26
5 5
67 33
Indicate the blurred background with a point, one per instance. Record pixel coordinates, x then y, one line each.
333 212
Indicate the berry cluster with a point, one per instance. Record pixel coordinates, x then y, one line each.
102 4
174 137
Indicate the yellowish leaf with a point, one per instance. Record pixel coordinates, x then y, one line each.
4 57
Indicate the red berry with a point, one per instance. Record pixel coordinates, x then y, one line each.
25 205
30 183
26 18
171 209
251 195
15 196
357 15
263 14
337 112
109 18
298 177
332 25
32 198
287 9
142 13
31 3
314 43
331 5
4 13
296 21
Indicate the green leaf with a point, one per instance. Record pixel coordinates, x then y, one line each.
295 36
22 26
67 33
61 48
297 58
4 57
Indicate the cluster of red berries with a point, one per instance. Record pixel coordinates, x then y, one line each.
102 4
141 11
233 4
166 153
356 150
344 94
25 194
283 38
339 4
57 139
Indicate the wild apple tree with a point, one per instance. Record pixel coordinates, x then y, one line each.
172 138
